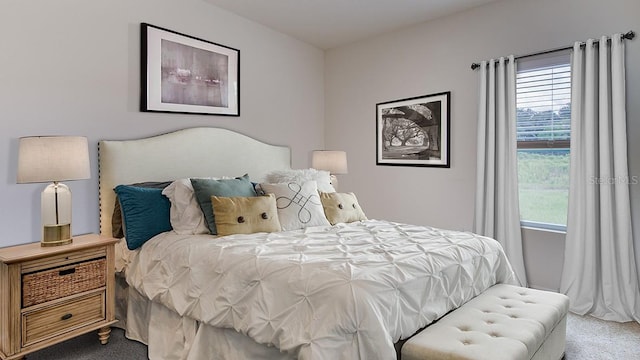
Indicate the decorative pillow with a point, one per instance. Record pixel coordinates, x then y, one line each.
245 215
321 177
145 212
341 207
116 218
299 206
186 216
206 188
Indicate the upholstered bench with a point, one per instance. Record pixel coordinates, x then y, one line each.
503 323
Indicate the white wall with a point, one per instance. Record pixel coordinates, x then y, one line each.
435 57
72 67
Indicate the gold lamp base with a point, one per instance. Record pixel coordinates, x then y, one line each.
55 235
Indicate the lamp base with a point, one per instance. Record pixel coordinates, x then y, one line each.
55 235
334 181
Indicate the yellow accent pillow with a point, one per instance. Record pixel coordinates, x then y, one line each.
341 207
245 215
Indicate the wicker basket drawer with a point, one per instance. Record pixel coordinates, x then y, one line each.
46 322
51 284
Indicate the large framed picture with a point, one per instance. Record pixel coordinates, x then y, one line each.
184 74
414 131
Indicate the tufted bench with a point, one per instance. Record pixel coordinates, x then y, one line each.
504 322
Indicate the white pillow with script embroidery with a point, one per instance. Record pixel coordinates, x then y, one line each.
300 176
299 205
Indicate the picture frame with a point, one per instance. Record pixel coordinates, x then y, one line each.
414 131
185 74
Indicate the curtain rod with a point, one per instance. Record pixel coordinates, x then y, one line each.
629 35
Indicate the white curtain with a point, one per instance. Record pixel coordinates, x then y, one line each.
599 273
497 211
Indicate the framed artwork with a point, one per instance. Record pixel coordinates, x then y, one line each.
184 74
414 131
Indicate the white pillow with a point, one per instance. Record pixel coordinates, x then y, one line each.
185 214
300 176
299 206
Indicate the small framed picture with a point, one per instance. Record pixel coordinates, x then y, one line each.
414 131
184 74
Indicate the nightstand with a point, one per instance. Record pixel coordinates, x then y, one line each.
52 294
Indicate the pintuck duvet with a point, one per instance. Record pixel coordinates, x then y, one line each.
347 291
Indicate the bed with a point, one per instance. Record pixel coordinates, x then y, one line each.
345 291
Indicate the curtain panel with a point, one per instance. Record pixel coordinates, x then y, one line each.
497 209
599 273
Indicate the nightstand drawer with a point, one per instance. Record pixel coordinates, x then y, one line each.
56 283
41 324
63 259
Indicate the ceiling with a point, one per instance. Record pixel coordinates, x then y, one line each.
331 23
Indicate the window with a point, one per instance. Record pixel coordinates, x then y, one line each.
543 93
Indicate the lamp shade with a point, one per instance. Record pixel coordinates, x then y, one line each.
53 158
330 160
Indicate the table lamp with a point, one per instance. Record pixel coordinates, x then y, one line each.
333 161
53 159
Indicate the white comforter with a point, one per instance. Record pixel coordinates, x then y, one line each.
342 292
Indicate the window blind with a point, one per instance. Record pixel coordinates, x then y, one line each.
544 103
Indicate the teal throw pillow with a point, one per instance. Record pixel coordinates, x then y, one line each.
117 230
205 188
145 212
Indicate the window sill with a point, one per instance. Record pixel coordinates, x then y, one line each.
552 228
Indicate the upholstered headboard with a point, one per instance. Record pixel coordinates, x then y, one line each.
194 152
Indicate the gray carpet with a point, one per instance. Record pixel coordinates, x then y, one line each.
587 339
88 347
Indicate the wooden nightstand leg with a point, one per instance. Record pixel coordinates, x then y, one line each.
103 334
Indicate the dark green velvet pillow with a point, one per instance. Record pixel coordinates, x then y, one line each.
206 188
